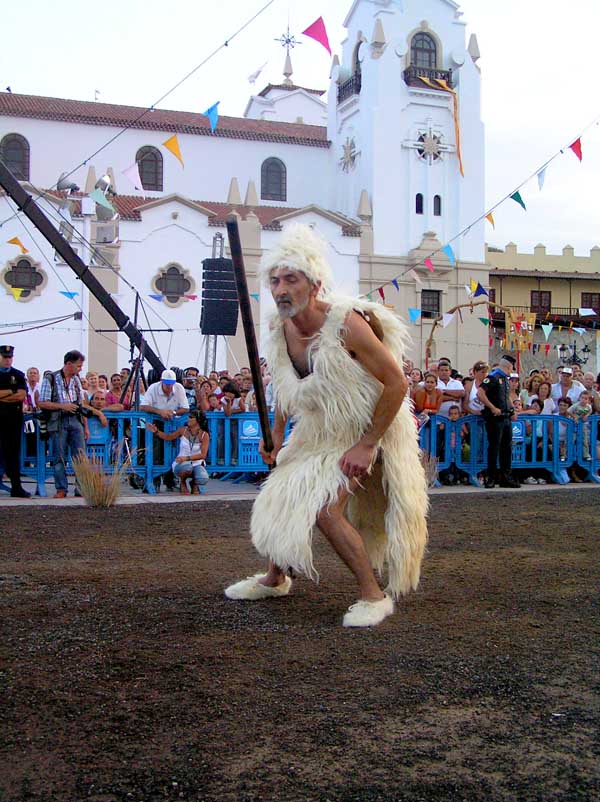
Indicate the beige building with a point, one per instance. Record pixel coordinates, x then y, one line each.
556 287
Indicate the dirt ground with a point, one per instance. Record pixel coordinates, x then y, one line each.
127 675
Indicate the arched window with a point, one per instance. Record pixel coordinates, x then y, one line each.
273 182
24 276
14 151
419 204
150 165
423 52
437 205
173 284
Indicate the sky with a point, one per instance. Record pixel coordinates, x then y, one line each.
539 82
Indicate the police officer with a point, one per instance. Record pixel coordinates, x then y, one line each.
494 394
13 389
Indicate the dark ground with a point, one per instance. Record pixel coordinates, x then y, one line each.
126 674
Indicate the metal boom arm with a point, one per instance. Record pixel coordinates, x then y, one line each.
30 208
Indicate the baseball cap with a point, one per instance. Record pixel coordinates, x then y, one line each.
168 377
514 375
566 370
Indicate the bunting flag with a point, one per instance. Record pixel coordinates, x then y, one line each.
156 297
396 285
468 290
443 83
586 310
429 265
414 314
67 294
381 293
547 348
16 241
414 275
191 297
255 295
516 196
16 292
576 148
474 285
480 291
560 328
485 321
450 254
547 328
447 319
318 32
541 177
100 198
132 174
490 218
581 331
213 115
252 78
172 145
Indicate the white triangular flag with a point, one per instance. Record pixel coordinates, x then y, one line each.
585 311
132 174
468 290
447 319
252 78
541 177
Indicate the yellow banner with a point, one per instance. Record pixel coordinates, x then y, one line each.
443 83
172 144
16 241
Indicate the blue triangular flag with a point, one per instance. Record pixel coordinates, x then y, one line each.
68 294
480 291
414 314
255 295
450 254
98 197
213 115
156 297
395 283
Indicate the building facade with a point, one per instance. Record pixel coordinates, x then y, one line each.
375 169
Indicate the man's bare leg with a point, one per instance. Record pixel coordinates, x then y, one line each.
349 545
274 576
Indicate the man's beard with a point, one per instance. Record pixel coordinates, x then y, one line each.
288 309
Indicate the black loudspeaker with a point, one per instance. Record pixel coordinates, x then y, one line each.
219 298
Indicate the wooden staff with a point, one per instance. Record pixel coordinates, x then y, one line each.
235 246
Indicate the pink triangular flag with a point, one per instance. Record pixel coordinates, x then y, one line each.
381 293
132 174
415 276
576 148
317 31
429 265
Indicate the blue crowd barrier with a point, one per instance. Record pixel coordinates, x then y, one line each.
233 449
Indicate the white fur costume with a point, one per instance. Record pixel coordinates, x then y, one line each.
333 407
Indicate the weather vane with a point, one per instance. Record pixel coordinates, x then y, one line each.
287 40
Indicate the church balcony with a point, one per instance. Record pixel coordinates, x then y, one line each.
350 87
413 75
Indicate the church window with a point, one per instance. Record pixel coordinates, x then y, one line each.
419 204
273 180
14 152
150 164
437 205
541 301
173 283
23 275
591 300
430 303
423 51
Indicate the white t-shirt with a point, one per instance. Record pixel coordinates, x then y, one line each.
474 401
188 447
157 398
573 392
453 384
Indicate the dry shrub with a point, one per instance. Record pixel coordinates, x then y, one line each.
430 466
99 489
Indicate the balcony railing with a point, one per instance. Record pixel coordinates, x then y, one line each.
561 312
350 87
413 75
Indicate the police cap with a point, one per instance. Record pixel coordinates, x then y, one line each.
7 350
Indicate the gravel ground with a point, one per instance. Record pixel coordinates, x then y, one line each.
126 674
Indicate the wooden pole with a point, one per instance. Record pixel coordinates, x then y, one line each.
235 246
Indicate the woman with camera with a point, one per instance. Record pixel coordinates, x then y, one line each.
193 448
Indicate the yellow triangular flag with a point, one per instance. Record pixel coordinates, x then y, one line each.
172 144
16 291
473 285
490 217
16 241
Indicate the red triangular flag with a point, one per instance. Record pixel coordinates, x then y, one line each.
380 291
317 31
429 265
576 148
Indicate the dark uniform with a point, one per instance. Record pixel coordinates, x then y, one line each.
11 423
499 428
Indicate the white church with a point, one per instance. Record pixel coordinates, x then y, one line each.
387 165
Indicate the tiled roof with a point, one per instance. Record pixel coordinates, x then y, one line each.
289 88
180 122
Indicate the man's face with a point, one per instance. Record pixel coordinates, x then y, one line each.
167 388
33 375
433 368
223 381
124 374
588 381
545 372
213 402
577 373
444 372
6 361
188 380
454 414
566 379
246 384
98 401
291 291
74 368
245 371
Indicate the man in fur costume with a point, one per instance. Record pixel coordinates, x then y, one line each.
351 466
